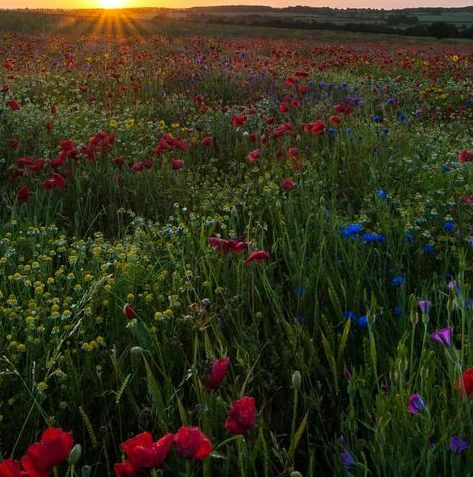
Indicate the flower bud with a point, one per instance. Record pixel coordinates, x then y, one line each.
296 380
75 454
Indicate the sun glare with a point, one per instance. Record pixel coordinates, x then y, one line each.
110 4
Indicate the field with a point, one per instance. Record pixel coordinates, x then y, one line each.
233 253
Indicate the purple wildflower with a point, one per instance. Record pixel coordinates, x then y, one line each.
416 404
424 305
443 336
458 445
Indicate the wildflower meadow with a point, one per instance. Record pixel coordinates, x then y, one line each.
235 255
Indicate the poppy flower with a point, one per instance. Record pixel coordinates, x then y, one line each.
13 143
207 141
192 443
13 105
253 155
144 453
56 181
10 468
52 449
177 164
464 384
238 120
465 156
125 469
23 194
287 184
129 311
259 255
242 416
218 371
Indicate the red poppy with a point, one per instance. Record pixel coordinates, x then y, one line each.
221 245
467 199
334 119
129 311
23 194
56 181
125 469
242 416
218 370
144 453
318 127
464 384
13 143
238 120
257 255
10 468
465 156
207 141
13 105
287 184
52 449
192 443
253 155
177 164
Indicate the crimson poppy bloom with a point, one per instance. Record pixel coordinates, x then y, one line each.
129 311
207 141
52 449
13 143
192 443
465 156
10 468
23 194
287 184
218 370
242 416
177 164
318 127
238 120
464 384
259 255
125 469
253 155
144 453
56 181
13 105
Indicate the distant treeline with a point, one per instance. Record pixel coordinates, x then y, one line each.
411 25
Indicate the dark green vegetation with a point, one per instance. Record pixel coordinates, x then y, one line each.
419 22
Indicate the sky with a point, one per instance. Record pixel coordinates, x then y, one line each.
376 4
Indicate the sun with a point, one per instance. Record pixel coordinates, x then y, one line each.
110 4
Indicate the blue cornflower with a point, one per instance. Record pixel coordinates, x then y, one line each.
299 292
429 249
349 315
398 280
449 226
398 311
351 230
370 238
363 321
377 119
382 194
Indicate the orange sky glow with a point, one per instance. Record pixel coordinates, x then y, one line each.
388 4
